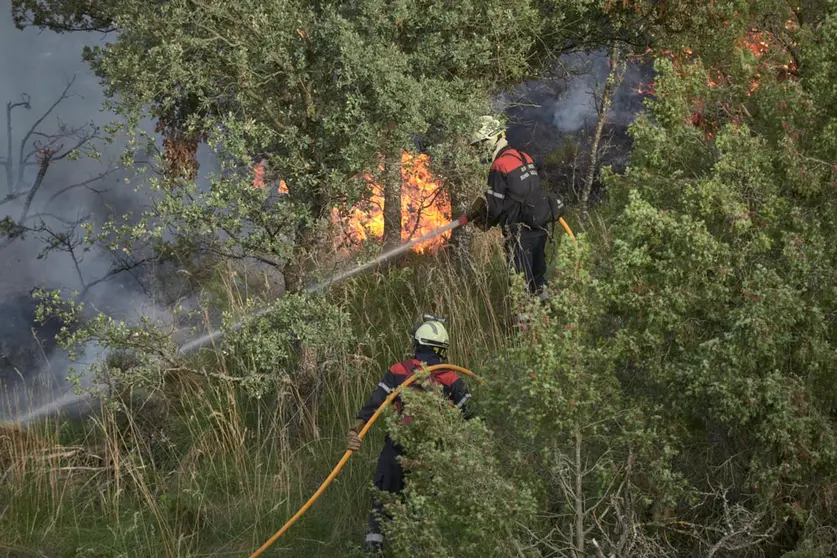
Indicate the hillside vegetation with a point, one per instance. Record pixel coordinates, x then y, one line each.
676 396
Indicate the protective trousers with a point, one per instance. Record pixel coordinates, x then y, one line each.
389 477
527 253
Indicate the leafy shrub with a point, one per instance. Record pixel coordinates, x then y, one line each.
456 501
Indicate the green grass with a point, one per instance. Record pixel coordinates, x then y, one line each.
200 469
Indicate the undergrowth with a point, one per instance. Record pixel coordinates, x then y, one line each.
201 464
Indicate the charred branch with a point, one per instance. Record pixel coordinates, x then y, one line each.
426 203
44 159
120 267
46 149
610 86
67 240
83 184
64 95
7 161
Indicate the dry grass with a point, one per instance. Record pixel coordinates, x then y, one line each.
198 468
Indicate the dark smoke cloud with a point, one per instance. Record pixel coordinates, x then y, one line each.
40 64
554 118
544 112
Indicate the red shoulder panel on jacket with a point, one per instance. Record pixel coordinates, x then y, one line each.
446 377
506 162
402 368
509 160
406 367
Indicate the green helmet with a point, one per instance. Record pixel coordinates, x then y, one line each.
432 333
489 128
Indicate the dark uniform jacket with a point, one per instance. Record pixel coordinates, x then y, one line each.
452 385
509 167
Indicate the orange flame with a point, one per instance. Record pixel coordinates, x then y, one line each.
647 89
258 175
755 42
424 207
258 178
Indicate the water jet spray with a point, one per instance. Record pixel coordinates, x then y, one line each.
212 336
205 340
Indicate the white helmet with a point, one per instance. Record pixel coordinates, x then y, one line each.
489 128
432 333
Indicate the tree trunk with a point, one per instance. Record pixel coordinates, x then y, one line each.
579 497
611 84
392 200
460 238
295 270
306 243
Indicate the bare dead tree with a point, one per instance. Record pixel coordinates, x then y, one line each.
592 514
611 85
735 527
76 138
606 518
31 215
42 150
602 517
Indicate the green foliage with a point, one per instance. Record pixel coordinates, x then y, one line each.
569 427
457 500
63 15
264 350
334 84
717 275
676 395
144 346
228 220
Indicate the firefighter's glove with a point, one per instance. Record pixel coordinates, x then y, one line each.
353 440
477 213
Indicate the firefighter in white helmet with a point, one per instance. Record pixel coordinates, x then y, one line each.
430 345
514 201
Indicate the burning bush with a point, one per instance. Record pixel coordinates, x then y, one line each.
425 206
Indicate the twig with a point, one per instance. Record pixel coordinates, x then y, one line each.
66 189
46 159
611 84
38 123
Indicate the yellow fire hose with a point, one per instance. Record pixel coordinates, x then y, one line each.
567 228
348 453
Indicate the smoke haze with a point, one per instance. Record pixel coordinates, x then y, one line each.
542 113
37 66
40 64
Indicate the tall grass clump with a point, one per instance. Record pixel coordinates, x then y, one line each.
211 455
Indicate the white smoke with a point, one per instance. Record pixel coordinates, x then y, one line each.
37 66
565 102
